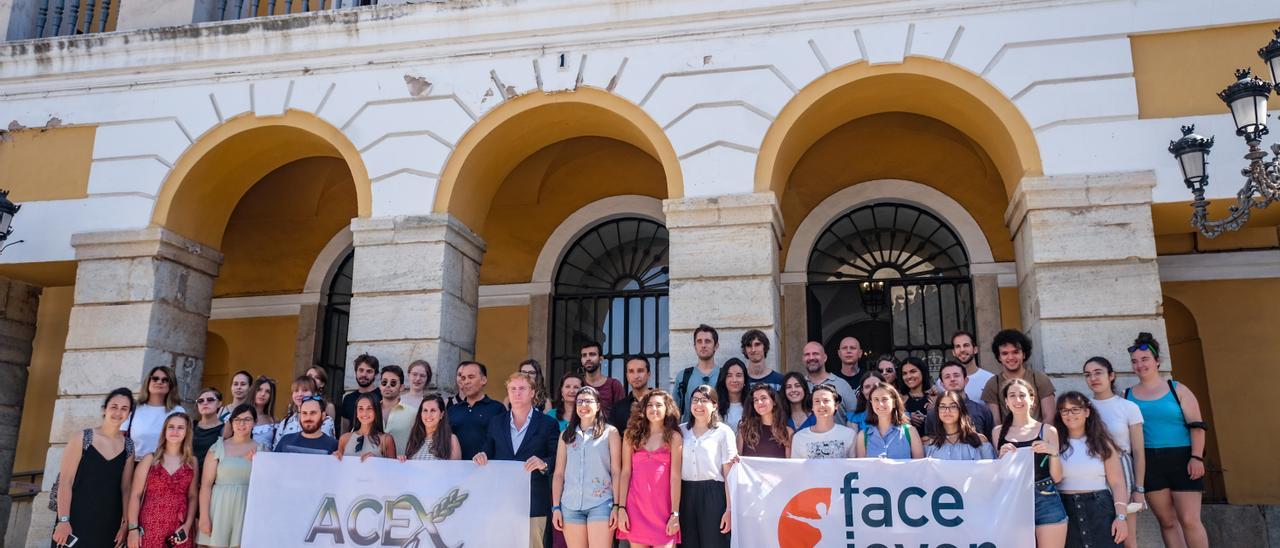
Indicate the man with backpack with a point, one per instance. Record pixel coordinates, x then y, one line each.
706 340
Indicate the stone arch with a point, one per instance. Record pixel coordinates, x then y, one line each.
205 185
918 85
582 220
512 132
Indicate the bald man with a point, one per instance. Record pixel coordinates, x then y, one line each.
850 354
815 368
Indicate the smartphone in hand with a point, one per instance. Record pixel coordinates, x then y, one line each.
178 537
71 541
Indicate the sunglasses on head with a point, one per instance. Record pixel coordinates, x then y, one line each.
313 398
1143 346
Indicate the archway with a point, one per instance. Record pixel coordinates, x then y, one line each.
1186 352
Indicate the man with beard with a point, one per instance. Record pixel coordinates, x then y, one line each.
964 349
954 377
1013 348
815 367
755 348
397 415
706 340
850 354
637 370
610 389
366 367
470 413
310 440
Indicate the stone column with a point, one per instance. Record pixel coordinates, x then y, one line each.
142 299
724 272
18 302
1086 267
415 292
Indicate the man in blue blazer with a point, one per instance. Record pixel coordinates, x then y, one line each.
523 433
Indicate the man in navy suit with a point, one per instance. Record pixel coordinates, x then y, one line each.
525 434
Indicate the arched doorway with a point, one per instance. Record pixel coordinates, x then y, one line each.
336 317
611 287
892 275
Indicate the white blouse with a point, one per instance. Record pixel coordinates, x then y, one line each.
705 455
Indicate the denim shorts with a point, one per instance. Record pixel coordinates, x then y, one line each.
599 512
1049 509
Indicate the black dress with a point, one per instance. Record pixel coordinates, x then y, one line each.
202 441
97 503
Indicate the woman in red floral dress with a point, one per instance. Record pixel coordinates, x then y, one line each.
162 504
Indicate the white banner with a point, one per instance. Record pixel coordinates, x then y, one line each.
874 503
314 500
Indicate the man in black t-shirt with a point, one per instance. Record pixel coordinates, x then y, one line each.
366 367
637 370
850 354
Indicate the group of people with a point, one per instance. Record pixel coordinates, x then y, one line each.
645 465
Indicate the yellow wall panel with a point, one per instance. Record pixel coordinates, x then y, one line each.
47 164
52 320
502 341
1180 73
1010 311
261 346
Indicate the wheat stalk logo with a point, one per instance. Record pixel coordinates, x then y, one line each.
443 508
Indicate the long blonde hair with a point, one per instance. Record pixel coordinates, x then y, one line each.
188 455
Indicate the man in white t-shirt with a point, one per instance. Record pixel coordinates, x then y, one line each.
815 368
965 350
825 439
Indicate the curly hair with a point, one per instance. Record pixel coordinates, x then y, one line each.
638 424
749 427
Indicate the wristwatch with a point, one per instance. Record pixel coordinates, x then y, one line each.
1122 517
1139 489
675 514
64 519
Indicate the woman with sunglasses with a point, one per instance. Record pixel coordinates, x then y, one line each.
241 381
583 489
368 439
763 431
887 367
1093 487
162 504
1174 436
954 436
1123 420
159 401
302 388
799 407
209 426
224 481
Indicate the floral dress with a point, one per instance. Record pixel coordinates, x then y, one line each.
164 505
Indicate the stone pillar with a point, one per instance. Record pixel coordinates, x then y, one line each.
142 299
986 317
415 292
18 302
724 272
1086 267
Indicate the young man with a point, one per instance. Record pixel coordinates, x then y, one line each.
638 379
366 367
954 376
755 348
527 435
815 367
706 340
469 416
397 417
850 354
310 440
1013 348
610 389
965 352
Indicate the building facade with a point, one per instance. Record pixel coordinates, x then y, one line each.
214 190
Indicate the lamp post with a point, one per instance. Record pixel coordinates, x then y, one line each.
872 293
1247 100
7 211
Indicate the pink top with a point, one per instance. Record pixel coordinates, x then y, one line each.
649 498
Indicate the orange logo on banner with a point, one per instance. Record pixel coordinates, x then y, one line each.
796 524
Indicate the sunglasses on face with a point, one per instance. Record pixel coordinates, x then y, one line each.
391 383
885 370
160 378
206 400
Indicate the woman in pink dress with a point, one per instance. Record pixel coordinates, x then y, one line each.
650 486
162 502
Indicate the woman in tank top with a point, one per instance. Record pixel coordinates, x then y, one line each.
1019 429
1093 486
588 458
431 437
368 439
763 431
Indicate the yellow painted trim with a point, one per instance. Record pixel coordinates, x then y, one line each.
511 132
326 140
918 85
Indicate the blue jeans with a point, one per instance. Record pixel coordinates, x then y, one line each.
1049 509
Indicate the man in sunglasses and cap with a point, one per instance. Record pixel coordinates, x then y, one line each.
310 440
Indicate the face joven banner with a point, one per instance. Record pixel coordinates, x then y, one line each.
314 500
874 503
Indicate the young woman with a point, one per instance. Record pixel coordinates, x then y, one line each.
159 400
888 434
799 408
570 384
240 383
955 437
825 439
264 404
224 482
432 438
887 367
583 490
94 477
869 382
731 391
710 449
302 387
1017 429
914 387
1123 420
1173 436
650 484
209 428
763 431
368 438
321 379
162 507
1091 473
532 368
418 379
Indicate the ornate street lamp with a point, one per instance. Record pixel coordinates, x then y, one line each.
873 296
1247 101
7 211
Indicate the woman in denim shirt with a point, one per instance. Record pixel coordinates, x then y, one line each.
588 458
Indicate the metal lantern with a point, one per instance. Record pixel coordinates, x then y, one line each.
7 211
1270 53
1247 99
873 297
1192 152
